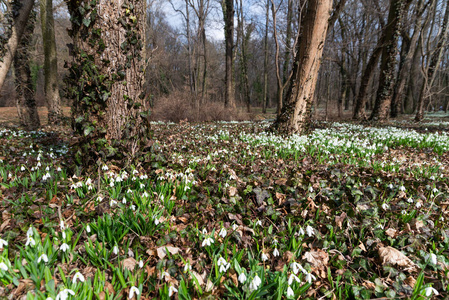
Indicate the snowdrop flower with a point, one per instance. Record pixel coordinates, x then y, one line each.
129 191
172 290
242 278
112 203
223 233
410 200
59 169
259 223
433 258
133 290
61 225
310 189
290 292
404 212
78 276
255 283
293 277
64 247
430 290
88 228
3 266
297 267
390 186
310 231
164 274
64 294
402 188
9 175
301 231
105 168
22 168
264 257
310 277
30 241
204 231
275 252
207 242
30 232
435 190
156 221
124 200
63 235
187 267
43 257
235 226
145 194
385 206
115 250
140 264
142 185
418 204
223 264
3 243
133 207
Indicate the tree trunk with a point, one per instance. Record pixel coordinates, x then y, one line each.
265 61
389 61
229 12
51 87
26 103
434 64
295 116
21 10
110 114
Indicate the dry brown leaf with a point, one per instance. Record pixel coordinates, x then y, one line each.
361 246
198 278
232 191
391 232
281 181
162 251
129 263
339 219
102 296
369 285
392 256
410 281
288 256
419 224
109 288
318 258
4 224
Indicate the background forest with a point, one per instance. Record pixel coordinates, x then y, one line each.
186 51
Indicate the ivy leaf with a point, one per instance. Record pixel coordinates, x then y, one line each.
87 22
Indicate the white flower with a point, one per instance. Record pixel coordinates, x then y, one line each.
207 242
133 207
115 250
410 200
204 231
385 206
235 226
310 277
142 186
310 231
156 221
275 252
429 290
433 258
172 290
310 189
390 186
43 257
78 276
30 241
242 278
64 294
140 264
297 267
435 190
187 267
290 292
133 290
402 188
255 283
3 266
404 212
124 200
22 168
63 235
264 257
88 228
3 243
64 247
59 169
418 204
129 191
61 225
112 203
164 274
30 232
105 168
223 233
293 277
301 231
259 223
145 194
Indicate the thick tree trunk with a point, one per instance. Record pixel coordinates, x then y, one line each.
389 61
229 13
106 79
51 87
21 10
26 104
295 116
265 61
434 65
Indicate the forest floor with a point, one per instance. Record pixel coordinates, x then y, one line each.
226 210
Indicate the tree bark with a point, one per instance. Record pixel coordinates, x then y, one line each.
110 114
265 61
434 65
295 116
229 13
21 10
25 101
51 87
389 61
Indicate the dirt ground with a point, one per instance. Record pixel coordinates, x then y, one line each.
9 117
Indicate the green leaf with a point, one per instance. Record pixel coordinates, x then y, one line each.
87 22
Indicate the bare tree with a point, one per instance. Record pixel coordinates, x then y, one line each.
229 13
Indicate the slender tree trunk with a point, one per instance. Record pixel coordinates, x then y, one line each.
434 64
295 116
21 10
389 61
106 80
265 61
26 103
288 43
229 13
51 87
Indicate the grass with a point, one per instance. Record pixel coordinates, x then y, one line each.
226 210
